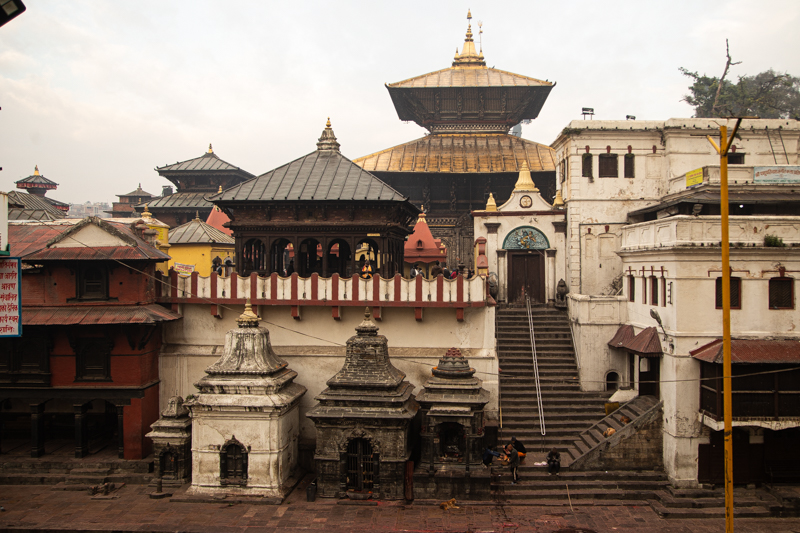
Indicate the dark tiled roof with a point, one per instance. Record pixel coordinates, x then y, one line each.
55 202
138 192
461 154
32 242
470 77
198 232
89 315
207 161
645 344
35 180
751 351
623 336
320 175
34 207
188 200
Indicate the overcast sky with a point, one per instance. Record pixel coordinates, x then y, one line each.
99 93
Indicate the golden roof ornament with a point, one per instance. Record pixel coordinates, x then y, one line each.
525 183
146 212
210 150
327 140
491 205
469 56
559 200
248 319
36 170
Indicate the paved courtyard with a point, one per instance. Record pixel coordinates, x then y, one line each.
131 509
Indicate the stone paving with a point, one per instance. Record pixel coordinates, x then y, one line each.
41 507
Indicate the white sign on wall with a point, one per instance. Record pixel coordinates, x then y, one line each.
783 174
10 297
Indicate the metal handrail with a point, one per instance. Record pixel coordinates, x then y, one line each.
535 366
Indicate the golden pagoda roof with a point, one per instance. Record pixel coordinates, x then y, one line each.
470 77
456 153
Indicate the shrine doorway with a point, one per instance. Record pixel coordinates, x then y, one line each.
360 463
526 277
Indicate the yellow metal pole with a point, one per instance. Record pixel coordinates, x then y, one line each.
724 144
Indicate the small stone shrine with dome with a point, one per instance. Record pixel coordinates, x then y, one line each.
245 418
451 408
363 420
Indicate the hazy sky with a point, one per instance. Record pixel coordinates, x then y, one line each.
99 93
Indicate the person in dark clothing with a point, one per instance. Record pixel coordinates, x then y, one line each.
488 456
513 463
520 448
436 269
553 462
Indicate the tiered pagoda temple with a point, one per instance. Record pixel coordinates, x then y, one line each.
468 109
195 180
33 204
124 208
320 214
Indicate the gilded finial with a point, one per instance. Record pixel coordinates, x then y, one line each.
327 140
558 202
220 189
210 150
36 170
469 56
469 14
491 204
525 183
328 124
146 212
197 215
248 319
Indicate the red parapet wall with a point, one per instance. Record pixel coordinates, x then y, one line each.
316 291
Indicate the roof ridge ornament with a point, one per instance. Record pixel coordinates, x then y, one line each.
525 183
36 170
146 212
210 150
491 203
327 140
469 56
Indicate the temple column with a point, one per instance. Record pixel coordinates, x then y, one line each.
81 436
121 431
37 429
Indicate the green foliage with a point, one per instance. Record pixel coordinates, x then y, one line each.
773 241
766 95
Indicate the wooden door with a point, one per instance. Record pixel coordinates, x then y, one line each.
526 276
649 381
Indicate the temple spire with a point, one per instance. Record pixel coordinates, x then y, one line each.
469 57
36 170
327 140
525 183
210 150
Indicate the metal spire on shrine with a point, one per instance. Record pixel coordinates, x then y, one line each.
469 57
327 140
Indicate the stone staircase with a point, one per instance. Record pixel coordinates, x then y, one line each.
55 470
707 503
568 411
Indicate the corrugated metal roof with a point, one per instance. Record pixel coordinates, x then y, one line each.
138 192
35 206
207 162
30 242
751 351
188 200
37 179
645 344
623 336
462 154
198 232
93 315
320 175
470 77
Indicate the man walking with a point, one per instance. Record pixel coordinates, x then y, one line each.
513 463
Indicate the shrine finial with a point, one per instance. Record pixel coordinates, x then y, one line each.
210 150
36 170
327 140
469 57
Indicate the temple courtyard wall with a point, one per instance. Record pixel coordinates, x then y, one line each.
314 346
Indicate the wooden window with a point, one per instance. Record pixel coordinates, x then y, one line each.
653 290
586 169
735 159
26 360
563 170
663 292
644 290
631 288
629 165
92 282
781 293
608 164
736 293
233 463
93 359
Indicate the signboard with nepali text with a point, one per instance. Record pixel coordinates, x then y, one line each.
782 174
181 268
694 177
10 297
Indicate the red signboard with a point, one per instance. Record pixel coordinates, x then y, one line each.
10 298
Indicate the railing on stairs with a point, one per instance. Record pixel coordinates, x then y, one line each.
535 366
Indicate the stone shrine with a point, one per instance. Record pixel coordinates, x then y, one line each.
451 405
245 419
362 422
172 439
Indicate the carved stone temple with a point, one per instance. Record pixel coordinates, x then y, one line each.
362 422
172 443
452 430
245 418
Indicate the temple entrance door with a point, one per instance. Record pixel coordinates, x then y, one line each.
649 376
360 465
526 276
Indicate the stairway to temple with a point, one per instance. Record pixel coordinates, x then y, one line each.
568 411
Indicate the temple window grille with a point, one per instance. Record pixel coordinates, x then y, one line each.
608 166
630 159
781 293
233 463
360 465
736 293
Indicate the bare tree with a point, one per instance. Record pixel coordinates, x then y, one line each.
728 64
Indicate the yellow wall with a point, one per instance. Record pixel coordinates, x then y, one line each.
199 255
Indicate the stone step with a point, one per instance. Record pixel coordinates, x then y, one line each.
710 501
513 492
682 512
